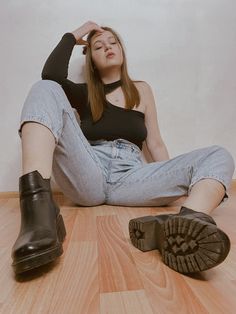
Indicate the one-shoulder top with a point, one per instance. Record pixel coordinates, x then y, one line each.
116 122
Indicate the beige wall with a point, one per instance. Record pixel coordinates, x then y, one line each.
185 49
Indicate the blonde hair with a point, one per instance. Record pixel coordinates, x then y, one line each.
96 94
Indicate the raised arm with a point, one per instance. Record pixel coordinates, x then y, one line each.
56 66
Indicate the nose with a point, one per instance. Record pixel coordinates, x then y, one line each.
107 46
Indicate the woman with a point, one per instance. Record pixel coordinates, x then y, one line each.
96 159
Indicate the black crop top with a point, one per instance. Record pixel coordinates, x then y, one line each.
116 122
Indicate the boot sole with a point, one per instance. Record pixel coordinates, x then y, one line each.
187 245
43 257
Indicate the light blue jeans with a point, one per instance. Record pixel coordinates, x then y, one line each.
113 172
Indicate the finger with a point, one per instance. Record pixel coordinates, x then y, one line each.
101 30
82 42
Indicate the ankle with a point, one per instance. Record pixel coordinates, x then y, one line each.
33 182
44 175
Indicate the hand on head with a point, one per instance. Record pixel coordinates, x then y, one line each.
85 29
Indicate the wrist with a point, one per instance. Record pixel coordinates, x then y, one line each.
74 34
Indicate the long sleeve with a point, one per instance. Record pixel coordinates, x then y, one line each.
56 69
56 66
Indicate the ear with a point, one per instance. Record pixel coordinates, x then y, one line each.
85 48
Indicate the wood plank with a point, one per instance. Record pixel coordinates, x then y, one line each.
216 298
7 282
127 302
77 289
10 218
166 289
85 228
21 296
117 271
9 194
228 267
69 215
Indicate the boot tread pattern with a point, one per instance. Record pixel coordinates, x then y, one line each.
192 245
187 245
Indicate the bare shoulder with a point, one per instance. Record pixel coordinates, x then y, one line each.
144 89
146 94
142 86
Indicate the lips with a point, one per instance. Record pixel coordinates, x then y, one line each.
110 54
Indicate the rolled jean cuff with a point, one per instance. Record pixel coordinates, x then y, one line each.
226 186
42 121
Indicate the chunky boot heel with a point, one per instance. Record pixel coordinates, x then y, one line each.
42 227
61 230
146 233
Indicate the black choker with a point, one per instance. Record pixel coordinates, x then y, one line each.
108 88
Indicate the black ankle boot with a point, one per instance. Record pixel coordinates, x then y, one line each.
42 228
184 211
189 241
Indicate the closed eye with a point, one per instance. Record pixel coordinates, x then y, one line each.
113 43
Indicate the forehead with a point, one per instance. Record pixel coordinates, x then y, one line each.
102 36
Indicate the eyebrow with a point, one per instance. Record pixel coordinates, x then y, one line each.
101 41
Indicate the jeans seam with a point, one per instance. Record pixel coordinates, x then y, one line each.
82 141
153 177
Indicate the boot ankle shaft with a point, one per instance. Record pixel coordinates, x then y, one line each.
34 191
187 211
33 182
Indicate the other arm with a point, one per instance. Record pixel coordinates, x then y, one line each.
154 141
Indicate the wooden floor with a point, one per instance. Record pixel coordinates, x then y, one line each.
101 272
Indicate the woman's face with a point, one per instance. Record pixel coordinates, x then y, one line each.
106 51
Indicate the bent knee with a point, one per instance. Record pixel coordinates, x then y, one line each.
47 93
226 156
44 84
